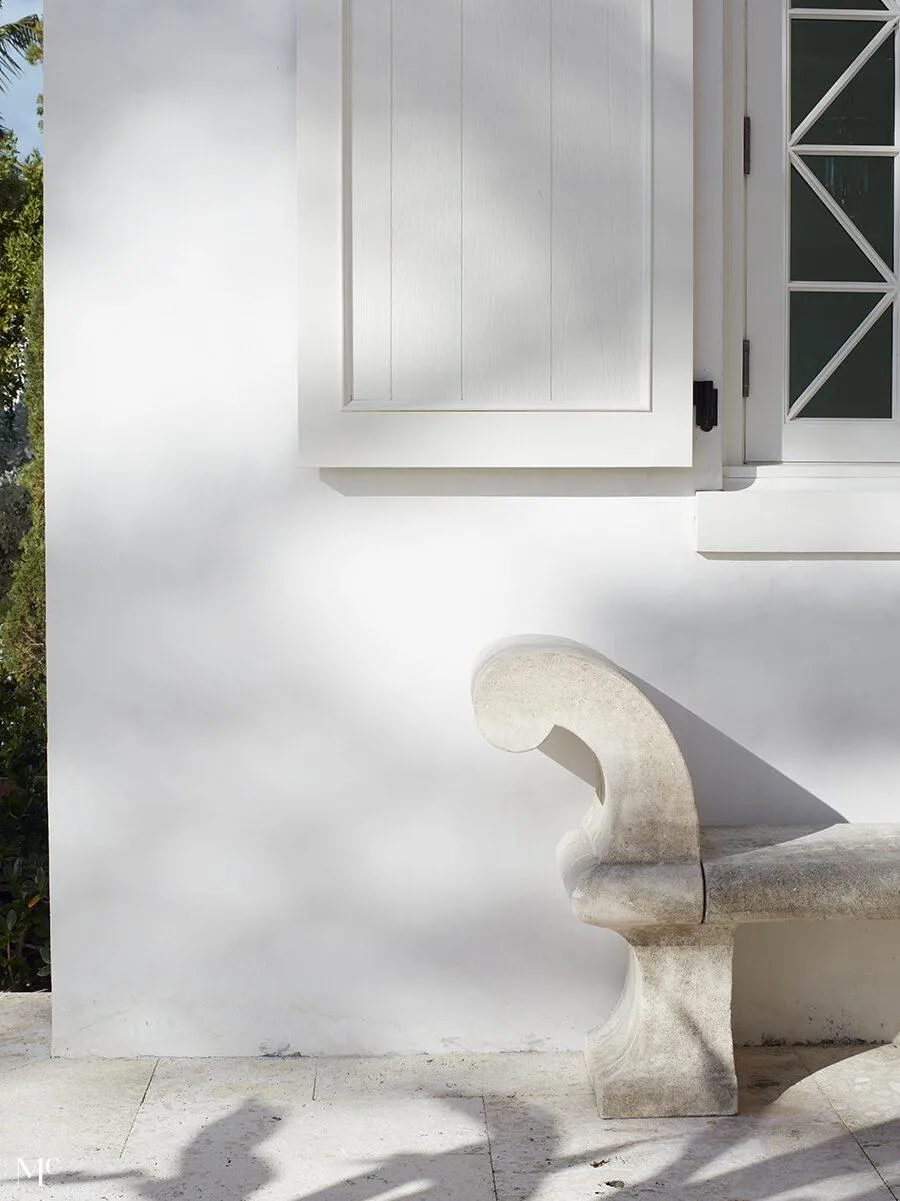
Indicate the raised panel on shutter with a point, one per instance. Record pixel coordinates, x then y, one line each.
426 187
601 204
371 215
507 186
515 292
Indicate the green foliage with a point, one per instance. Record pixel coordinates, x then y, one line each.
35 52
35 55
21 242
17 39
24 888
15 521
23 633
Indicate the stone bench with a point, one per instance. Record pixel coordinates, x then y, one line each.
641 865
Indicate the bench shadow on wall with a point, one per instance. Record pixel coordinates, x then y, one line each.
794 982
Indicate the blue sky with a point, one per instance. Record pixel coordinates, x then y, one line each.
17 105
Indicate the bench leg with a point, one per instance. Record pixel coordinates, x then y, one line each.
666 1050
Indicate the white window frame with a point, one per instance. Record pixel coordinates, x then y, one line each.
336 433
780 508
769 438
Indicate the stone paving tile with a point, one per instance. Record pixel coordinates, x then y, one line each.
322 1149
351 1128
818 1057
562 1076
58 1107
882 1146
803 1101
435 1148
25 1024
292 1166
538 1157
864 1089
775 1085
198 1081
72 1178
363 1148
231 1130
268 1177
757 1066
13 1063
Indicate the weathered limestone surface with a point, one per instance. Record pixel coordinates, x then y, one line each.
666 1049
772 873
640 864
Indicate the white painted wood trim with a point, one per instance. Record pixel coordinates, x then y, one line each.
333 434
766 226
731 402
807 516
323 335
771 434
795 474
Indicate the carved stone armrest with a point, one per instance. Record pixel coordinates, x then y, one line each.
636 859
634 866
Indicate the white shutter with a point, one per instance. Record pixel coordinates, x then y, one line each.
495 233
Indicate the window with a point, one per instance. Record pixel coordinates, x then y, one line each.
496 215
813 446
822 230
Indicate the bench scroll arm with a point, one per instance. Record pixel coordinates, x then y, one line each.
633 866
637 853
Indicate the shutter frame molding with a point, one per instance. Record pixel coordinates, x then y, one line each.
336 431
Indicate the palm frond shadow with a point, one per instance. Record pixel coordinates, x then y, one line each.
531 1149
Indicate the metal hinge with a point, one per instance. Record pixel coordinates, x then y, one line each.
745 369
706 404
747 136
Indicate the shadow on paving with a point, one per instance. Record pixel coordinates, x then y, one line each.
528 1152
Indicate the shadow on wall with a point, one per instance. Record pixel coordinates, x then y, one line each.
794 982
727 777
470 482
203 664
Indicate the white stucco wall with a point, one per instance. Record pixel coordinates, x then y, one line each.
273 823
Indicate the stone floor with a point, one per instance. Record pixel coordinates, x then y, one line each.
816 1124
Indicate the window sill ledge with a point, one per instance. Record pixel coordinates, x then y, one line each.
802 511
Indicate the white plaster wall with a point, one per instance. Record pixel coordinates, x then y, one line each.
274 825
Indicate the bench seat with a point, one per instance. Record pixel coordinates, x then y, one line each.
788 873
640 864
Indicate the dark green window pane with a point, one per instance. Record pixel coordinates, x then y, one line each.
862 114
864 189
820 324
820 248
820 53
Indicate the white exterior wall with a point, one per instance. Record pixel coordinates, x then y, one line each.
274 825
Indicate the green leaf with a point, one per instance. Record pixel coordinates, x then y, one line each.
16 38
10 919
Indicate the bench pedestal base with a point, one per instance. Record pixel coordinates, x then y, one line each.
666 1050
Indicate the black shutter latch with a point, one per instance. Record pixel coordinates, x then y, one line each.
706 404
